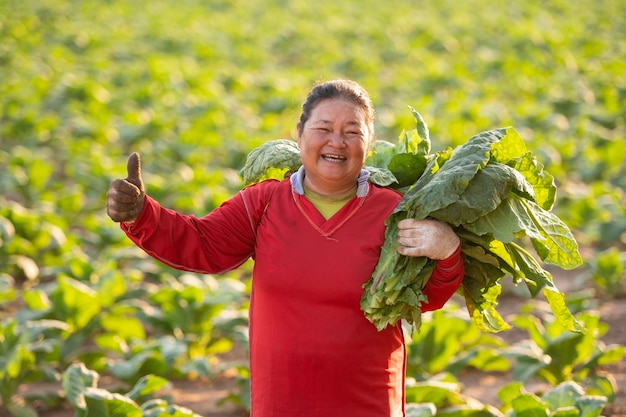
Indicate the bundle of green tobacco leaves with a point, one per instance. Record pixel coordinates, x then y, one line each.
494 192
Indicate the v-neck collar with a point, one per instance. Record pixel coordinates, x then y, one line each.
327 228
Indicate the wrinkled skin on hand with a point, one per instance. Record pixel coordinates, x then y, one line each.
126 197
431 238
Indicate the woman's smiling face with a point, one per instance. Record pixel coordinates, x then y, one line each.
333 146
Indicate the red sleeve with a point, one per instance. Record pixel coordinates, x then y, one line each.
218 242
444 281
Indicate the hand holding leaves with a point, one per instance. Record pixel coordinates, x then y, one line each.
431 238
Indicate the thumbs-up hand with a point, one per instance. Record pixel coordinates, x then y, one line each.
126 196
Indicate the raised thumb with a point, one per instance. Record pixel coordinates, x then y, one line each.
133 167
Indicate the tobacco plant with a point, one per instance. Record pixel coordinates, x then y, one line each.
555 354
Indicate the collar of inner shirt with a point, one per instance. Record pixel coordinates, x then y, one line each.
297 182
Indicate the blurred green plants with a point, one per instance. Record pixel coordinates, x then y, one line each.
556 355
607 271
439 397
87 399
195 85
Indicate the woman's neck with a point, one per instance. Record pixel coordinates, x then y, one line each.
330 198
332 193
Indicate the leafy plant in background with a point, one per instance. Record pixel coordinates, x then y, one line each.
449 342
608 272
566 399
29 352
198 318
83 86
81 387
28 240
174 330
241 395
441 396
555 354
76 304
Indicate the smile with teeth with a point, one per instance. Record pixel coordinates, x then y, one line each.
334 158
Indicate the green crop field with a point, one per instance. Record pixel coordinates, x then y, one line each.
193 86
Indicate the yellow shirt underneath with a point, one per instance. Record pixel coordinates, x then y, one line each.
328 205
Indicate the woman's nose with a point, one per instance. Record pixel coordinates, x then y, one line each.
337 139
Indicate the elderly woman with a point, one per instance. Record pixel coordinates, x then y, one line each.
315 238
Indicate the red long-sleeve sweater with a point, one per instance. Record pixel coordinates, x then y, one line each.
312 351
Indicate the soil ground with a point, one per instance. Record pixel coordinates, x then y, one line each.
206 398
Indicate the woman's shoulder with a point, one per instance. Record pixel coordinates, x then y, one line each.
265 186
261 193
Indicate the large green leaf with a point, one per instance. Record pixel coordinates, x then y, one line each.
558 305
508 147
438 188
129 369
381 176
506 222
591 405
147 385
76 301
380 153
537 279
102 403
439 393
556 244
563 395
485 192
127 328
529 405
421 410
282 154
407 167
551 238
75 380
542 182
423 143
483 311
